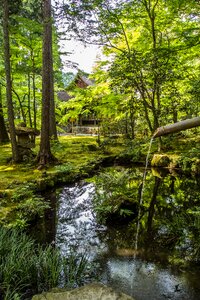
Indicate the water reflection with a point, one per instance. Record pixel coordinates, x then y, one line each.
168 233
76 226
146 281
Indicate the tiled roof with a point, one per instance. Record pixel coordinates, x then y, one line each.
64 96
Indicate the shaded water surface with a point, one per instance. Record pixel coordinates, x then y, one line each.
169 233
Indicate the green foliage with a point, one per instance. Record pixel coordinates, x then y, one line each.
26 62
114 191
190 161
27 269
75 276
49 268
65 168
28 204
133 151
16 263
149 75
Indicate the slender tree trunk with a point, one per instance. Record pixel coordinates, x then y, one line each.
20 105
45 155
3 132
126 125
34 89
15 152
132 118
29 101
34 103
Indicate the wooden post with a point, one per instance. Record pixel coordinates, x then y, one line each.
176 127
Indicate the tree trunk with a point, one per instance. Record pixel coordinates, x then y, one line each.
15 152
29 101
53 130
20 105
3 132
34 103
34 89
132 118
45 155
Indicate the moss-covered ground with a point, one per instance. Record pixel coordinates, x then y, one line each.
70 150
20 184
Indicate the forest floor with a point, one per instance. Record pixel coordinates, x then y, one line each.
77 156
71 151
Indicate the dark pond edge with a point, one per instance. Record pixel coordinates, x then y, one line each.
159 161
49 180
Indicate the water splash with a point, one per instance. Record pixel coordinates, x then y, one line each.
142 192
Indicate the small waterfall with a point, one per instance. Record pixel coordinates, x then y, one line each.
142 192
145 171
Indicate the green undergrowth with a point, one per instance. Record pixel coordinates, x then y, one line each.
21 183
114 198
27 268
180 151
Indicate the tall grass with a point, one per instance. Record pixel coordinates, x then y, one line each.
27 269
73 275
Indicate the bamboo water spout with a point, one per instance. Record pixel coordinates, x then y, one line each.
176 127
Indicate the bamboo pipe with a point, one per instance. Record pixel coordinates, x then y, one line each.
176 127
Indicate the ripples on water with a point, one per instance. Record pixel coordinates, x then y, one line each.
77 227
120 268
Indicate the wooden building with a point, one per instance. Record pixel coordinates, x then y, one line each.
86 124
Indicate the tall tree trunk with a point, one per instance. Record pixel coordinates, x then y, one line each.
15 152
150 7
53 130
45 155
3 132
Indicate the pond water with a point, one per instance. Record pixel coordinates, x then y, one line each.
137 260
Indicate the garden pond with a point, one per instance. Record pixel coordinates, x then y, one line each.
155 256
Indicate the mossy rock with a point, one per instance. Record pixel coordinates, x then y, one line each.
161 160
93 291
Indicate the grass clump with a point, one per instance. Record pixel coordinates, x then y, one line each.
27 268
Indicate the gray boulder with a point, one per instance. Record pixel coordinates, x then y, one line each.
93 291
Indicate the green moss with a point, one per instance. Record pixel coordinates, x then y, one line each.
76 158
164 160
160 160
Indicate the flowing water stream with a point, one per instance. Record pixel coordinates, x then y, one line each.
168 233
